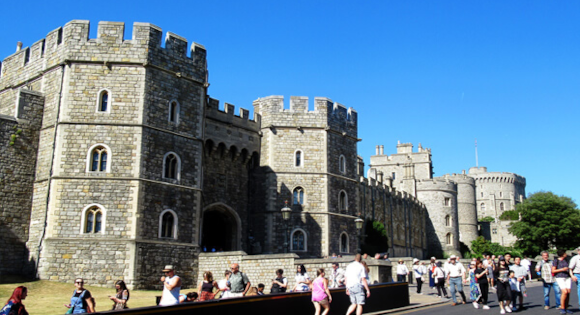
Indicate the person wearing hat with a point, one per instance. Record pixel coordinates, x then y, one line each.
456 276
171 287
419 270
402 271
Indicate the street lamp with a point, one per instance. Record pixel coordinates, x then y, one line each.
358 222
286 212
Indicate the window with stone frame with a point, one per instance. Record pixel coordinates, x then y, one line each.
173 112
342 164
93 220
344 242
447 220
298 196
298 240
103 101
168 224
298 158
449 239
99 157
447 201
393 175
342 201
482 208
171 166
501 206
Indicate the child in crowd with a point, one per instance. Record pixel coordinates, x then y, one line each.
515 287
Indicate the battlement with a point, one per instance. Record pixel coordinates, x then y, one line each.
461 179
227 115
326 113
71 43
438 183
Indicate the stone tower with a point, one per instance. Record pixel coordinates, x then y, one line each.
309 158
466 210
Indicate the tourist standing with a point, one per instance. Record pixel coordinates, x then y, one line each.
224 285
280 284
402 271
205 287
432 265
14 304
302 279
544 270
171 287
520 274
121 297
337 276
474 292
81 301
456 276
503 286
491 265
320 294
356 284
481 273
418 271
239 281
561 272
439 279
575 271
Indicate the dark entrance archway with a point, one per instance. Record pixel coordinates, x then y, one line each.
221 228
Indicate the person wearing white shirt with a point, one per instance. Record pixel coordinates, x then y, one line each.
402 271
456 276
575 270
418 271
356 283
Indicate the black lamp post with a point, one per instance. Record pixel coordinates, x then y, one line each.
358 222
286 212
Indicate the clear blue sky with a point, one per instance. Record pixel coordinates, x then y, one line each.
442 73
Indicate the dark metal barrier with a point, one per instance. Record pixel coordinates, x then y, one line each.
384 296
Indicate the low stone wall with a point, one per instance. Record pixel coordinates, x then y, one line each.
262 268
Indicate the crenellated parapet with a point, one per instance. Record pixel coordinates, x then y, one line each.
326 114
437 184
481 175
71 44
228 115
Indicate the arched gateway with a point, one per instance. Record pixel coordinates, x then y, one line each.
221 228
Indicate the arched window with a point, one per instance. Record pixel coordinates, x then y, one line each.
342 164
99 158
298 158
171 166
93 219
344 242
447 220
298 237
298 196
501 194
168 224
103 101
342 201
482 207
173 112
449 239
501 206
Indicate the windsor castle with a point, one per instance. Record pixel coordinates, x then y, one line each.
115 160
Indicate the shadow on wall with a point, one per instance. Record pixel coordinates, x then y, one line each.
433 242
15 265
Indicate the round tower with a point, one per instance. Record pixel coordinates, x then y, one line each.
466 210
440 198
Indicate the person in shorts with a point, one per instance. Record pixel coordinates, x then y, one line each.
561 272
356 284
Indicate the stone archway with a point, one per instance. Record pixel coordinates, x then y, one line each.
221 228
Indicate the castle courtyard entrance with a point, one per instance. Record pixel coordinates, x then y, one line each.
221 229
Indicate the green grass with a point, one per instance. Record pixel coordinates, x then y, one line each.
48 297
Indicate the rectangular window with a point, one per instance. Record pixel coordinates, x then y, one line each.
393 175
447 202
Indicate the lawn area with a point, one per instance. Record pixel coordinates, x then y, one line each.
47 297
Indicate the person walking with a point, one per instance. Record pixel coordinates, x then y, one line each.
205 287
356 284
81 301
575 270
520 273
239 282
121 297
418 271
402 271
481 273
14 304
320 294
503 286
439 277
544 270
456 277
431 268
171 287
302 279
561 271
280 284
474 292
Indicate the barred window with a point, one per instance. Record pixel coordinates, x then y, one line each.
298 240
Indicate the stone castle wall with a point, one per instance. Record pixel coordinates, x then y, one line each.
466 209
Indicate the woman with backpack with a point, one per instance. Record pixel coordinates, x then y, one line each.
121 297
81 301
14 305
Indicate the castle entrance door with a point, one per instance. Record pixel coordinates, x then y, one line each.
221 229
